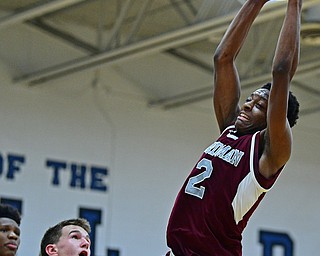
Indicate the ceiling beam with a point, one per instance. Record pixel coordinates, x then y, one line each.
66 37
118 23
35 11
159 43
206 92
138 20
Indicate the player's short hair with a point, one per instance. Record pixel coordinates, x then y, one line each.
8 211
293 106
53 234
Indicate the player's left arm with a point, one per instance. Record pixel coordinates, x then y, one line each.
278 136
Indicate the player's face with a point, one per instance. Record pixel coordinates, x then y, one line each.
253 115
9 237
74 241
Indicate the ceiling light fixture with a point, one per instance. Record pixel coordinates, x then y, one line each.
243 1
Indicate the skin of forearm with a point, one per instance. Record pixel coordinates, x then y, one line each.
234 37
287 52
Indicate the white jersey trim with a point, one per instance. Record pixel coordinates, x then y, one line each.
227 128
248 190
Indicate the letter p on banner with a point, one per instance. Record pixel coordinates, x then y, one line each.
270 239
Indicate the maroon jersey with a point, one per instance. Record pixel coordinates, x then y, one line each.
218 197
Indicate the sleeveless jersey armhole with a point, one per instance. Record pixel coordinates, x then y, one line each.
265 183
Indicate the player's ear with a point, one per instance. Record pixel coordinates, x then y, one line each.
51 250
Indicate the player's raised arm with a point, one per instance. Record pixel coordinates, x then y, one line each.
278 138
226 93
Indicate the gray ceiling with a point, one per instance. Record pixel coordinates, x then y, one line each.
163 46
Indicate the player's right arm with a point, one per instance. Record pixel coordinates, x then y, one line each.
226 91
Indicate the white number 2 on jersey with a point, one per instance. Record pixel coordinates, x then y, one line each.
191 189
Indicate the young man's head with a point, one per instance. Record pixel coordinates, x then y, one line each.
67 238
253 114
9 230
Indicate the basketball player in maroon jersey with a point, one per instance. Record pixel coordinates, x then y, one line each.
234 173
